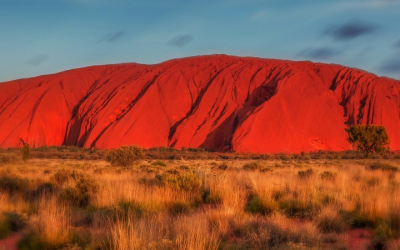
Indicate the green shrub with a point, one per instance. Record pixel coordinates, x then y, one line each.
223 166
388 228
124 156
184 181
17 221
44 188
5 228
378 243
32 241
64 175
256 205
13 184
382 166
267 169
305 174
328 223
25 152
159 163
179 207
292 208
81 194
184 167
252 166
11 222
209 197
357 219
328 175
8 158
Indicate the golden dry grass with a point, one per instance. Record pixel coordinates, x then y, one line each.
283 204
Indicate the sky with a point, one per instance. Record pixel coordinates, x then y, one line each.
47 36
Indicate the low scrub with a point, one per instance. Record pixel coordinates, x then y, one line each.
329 221
11 222
159 163
256 205
209 197
252 166
64 175
293 208
124 156
179 207
382 166
8 158
13 184
82 193
388 227
328 175
306 174
223 166
185 181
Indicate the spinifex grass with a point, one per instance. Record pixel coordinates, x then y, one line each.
195 204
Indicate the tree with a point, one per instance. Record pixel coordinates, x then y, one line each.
369 138
124 156
25 152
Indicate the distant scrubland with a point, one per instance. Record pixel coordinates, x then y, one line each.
70 198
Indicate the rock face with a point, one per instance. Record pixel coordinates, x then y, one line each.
216 102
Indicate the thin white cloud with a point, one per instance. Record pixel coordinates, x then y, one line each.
260 15
94 2
368 4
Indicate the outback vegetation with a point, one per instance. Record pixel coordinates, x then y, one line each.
71 198
369 138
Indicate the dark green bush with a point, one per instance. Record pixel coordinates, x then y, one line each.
124 156
378 243
331 224
210 198
184 167
184 181
369 138
179 207
382 166
295 209
357 219
159 163
32 241
13 184
81 194
252 166
223 166
26 150
17 221
305 174
129 207
12 222
64 175
328 175
257 206
388 227
8 157
5 228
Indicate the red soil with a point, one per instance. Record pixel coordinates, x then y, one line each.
358 239
10 243
216 102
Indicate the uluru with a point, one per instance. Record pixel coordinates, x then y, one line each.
216 102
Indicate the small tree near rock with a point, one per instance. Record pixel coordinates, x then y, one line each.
369 138
26 151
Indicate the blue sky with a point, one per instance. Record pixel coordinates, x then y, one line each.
47 36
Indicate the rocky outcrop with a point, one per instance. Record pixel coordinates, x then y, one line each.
217 102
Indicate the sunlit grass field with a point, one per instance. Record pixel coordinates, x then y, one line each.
287 203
